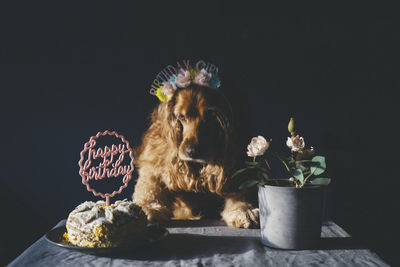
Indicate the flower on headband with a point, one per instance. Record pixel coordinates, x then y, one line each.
165 91
214 82
160 95
202 77
183 78
168 88
193 73
170 78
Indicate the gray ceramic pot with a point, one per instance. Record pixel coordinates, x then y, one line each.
290 217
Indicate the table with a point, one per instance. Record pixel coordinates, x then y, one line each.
211 243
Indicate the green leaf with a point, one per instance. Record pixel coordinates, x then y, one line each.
248 184
321 181
319 165
239 172
298 174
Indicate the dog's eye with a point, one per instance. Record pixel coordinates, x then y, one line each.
181 117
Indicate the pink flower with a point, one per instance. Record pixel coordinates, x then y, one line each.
168 88
295 143
202 77
183 78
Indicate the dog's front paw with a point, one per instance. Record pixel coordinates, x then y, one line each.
156 213
242 218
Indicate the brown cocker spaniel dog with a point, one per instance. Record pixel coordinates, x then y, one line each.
186 159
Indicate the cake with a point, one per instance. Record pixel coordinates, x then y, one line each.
93 224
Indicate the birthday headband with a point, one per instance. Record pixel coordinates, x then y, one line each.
171 78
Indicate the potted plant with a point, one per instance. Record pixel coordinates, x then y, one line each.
290 209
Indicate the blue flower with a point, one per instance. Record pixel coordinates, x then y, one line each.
214 82
172 79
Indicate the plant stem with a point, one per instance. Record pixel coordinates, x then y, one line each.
284 163
269 166
305 179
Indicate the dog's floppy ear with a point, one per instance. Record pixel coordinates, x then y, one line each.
222 119
171 128
223 122
223 113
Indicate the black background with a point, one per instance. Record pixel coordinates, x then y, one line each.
68 71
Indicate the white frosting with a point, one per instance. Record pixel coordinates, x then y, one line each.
90 211
89 215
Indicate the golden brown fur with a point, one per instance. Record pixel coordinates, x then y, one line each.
185 161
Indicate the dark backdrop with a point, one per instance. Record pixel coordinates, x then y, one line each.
68 71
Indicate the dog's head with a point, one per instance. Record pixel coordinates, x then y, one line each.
200 119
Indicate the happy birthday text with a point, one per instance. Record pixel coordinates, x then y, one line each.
107 168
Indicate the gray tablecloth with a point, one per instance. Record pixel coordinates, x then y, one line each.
211 243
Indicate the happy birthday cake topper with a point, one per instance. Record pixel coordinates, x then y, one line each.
171 78
110 166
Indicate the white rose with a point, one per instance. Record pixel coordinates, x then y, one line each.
202 77
168 88
295 143
183 78
257 146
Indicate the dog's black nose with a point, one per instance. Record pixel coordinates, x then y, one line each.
190 151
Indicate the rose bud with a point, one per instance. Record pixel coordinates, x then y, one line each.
291 127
